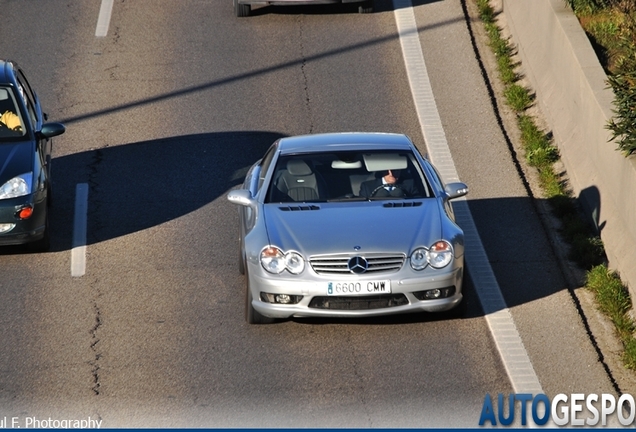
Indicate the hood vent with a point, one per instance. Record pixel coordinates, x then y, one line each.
299 207
403 204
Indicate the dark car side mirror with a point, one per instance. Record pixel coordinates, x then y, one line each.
49 130
456 190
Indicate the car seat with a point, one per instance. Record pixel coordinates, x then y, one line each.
299 183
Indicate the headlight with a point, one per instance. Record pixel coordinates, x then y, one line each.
294 262
17 186
440 254
419 259
275 261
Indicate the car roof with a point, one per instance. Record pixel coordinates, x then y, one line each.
345 141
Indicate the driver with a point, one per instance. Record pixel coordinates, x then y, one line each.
11 121
388 185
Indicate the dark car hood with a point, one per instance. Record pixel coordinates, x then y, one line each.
15 159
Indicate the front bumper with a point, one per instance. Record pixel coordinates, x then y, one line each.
26 230
406 286
296 2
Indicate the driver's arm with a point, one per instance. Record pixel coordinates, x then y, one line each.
11 120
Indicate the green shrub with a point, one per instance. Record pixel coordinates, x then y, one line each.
623 125
611 27
586 6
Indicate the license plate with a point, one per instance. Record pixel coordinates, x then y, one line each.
358 288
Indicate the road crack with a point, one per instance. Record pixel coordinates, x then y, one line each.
95 363
303 71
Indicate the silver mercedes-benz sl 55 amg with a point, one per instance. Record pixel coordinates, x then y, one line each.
347 225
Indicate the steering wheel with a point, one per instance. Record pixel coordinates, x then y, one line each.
3 126
395 185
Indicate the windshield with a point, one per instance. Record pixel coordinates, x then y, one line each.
11 124
343 176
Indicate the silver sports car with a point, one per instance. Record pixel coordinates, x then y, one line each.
347 225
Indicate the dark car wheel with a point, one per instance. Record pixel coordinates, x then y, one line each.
366 7
241 259
44 244
241 10
251 315
49 196
460 311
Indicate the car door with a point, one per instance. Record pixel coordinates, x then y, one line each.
37 118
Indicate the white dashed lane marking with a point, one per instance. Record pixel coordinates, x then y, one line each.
505 334
78 251
103 20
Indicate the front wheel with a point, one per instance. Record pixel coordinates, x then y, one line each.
241 258
49 195
460 311
44 244
366 7
241 10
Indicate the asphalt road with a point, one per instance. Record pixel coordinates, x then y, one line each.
164 115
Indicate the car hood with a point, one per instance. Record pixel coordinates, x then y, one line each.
15 159
339 227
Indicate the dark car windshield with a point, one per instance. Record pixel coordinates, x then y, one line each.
11 122
334 176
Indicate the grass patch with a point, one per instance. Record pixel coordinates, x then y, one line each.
586 247
517 97
613 299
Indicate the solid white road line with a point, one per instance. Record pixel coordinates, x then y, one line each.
507 339
103 21
78 251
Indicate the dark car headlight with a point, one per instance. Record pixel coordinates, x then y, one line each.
17 186
274 260
438 255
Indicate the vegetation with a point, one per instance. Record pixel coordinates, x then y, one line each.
586 248
611 27
613 299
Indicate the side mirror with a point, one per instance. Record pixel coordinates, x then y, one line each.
49 130
241 197
456 190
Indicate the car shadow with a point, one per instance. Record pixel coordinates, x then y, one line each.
137 186
329 9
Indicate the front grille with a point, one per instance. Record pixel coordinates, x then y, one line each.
358 303
337 264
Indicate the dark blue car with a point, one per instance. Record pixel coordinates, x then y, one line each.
25 162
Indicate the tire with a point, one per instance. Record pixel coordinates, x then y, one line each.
251 315
460 311
44 244
366 7
241 260
49 196
241 10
